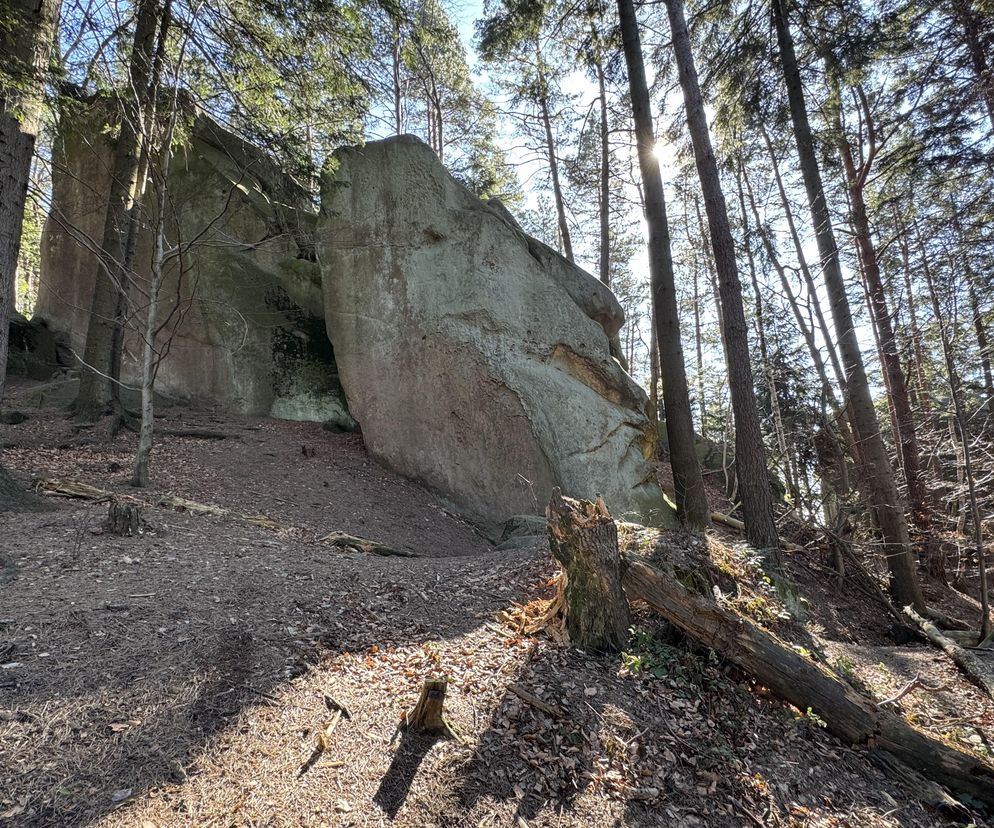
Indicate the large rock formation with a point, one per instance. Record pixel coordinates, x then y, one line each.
244 300
474 357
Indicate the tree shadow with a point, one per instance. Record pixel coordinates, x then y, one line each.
396 783
239 664
150 670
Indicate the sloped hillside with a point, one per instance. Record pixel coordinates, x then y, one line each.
182 677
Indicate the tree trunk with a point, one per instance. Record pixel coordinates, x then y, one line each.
764 351
134 223
973 35
828 392
124 519
26 37
699 351
961 420
921 380
691 498
653 371
604 264
398 99
150 356
584 539
881 488
750 450
550 147
604 205
428 715
890 357
440 132
112 276
802 262
140 473
983 344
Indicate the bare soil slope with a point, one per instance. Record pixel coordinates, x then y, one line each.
181 677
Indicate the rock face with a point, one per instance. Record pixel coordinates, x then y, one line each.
474 357
243 301
34 349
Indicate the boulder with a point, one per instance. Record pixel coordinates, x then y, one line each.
34 348
521 526
244 301
474 357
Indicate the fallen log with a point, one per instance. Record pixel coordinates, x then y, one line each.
73 488
84 491
971 666
365 546
807 685
739 526
181 504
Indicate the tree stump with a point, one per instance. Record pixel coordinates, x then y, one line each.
428 714
124 518
584 539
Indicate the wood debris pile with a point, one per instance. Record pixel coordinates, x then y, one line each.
541 615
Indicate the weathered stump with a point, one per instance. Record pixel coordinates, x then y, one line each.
428 715
584 539
124 518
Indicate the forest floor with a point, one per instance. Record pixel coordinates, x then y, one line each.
181 677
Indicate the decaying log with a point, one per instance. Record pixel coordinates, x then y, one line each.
84 491
584 539
925 790
365 546
807 685
73 488
124 518
973 668
181 504
428 715
739 526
